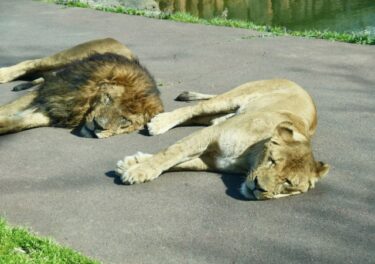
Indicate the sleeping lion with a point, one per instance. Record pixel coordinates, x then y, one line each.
260 129
98 87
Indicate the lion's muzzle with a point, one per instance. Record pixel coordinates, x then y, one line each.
84 131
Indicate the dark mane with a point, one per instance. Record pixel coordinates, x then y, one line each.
68 93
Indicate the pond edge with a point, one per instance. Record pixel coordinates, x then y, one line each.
355 38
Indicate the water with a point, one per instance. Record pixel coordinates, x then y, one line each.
335 15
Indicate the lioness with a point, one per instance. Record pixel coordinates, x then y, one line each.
260 129
98 87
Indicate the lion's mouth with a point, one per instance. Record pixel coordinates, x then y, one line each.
90 130
252 190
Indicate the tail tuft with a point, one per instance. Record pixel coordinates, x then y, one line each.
193 96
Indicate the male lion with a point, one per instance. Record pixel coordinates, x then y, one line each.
98 87
260 129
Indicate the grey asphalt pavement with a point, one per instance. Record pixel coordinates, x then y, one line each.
63 186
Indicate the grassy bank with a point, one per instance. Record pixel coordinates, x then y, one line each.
18 246
358 38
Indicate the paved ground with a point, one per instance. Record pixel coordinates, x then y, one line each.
62 186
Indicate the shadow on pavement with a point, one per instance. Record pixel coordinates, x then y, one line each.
116 178
233 183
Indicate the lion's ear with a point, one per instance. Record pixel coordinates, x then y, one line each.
288 133
322 169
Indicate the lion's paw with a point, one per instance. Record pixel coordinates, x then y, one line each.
128 161
161 123
139 173
131 170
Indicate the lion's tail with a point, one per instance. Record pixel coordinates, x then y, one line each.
193 96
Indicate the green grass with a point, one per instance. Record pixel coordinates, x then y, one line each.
18 246
358 38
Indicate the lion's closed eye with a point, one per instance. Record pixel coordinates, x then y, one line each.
288 183
272 160
124 122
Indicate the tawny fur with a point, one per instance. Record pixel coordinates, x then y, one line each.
260 129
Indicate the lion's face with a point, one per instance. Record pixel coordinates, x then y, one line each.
109 116
287 166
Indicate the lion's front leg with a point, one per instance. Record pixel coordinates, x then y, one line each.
131 170
145 167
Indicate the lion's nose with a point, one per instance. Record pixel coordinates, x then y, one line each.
86 132
100 122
